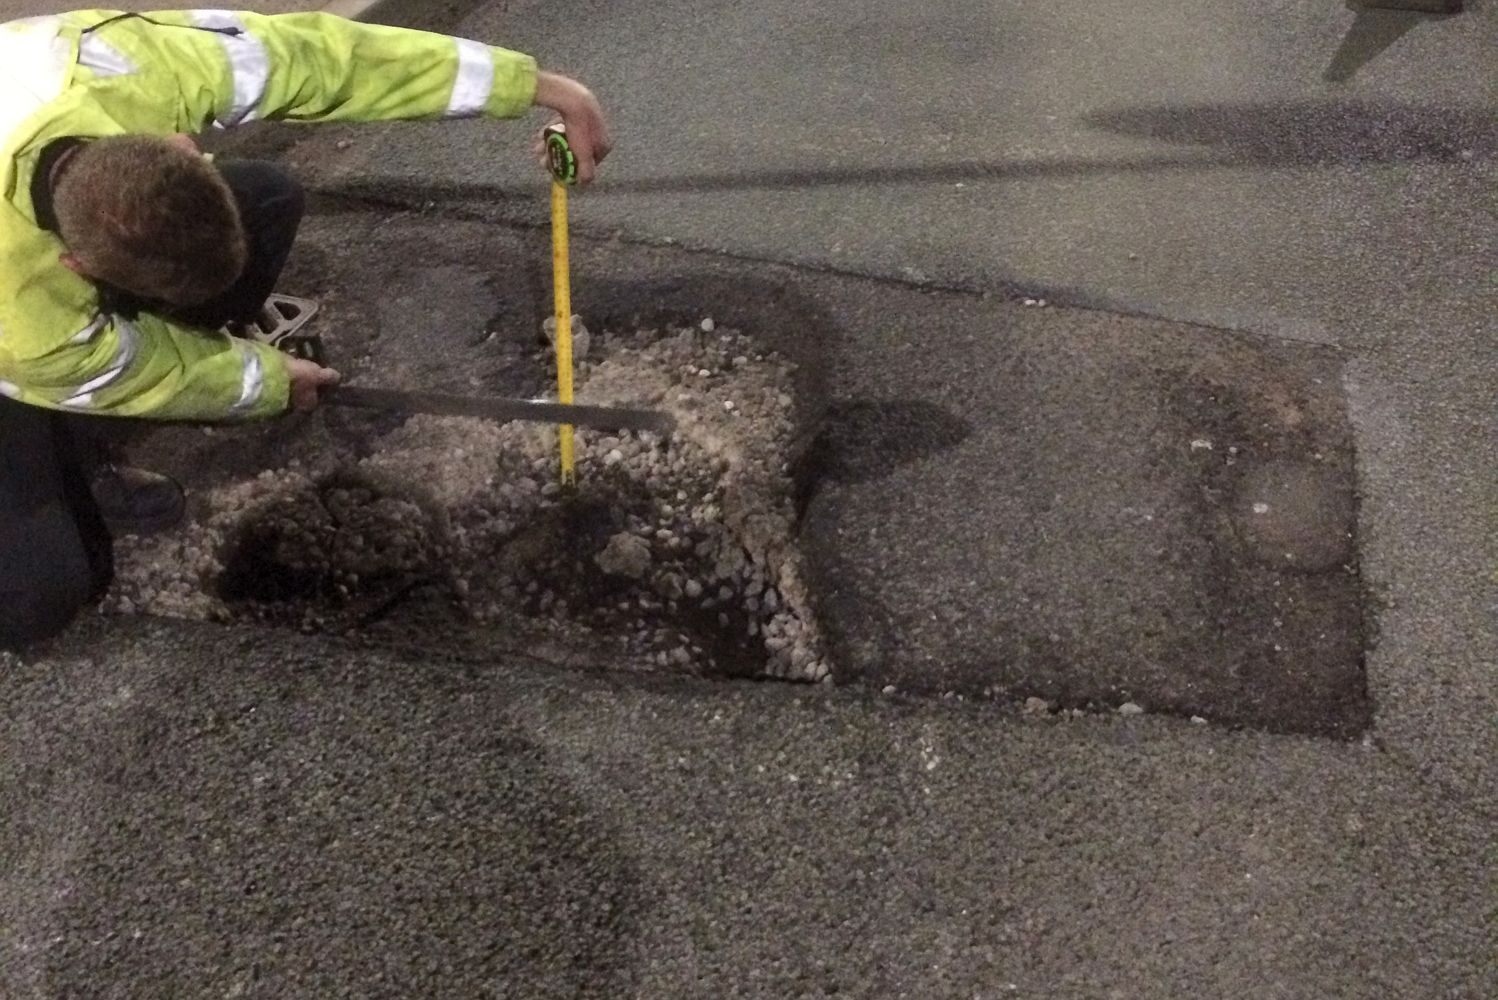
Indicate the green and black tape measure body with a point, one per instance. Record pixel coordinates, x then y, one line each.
559 155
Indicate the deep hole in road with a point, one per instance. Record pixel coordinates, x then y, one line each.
674 552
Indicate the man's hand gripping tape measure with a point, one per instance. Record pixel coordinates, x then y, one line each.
559 156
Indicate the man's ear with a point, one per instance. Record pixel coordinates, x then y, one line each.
71 263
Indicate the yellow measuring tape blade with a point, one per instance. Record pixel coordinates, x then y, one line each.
561 269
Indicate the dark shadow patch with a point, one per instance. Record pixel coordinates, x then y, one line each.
1289 134
1371 33
253 570
352 547
866 439
1274 134
863 440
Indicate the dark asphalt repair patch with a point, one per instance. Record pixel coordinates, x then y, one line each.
1144 513
996 501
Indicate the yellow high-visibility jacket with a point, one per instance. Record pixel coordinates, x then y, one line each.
93 73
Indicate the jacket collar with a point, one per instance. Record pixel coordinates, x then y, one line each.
43 183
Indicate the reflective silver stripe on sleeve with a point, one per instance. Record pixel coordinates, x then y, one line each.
252 382
475 80
124 355
248 61
9 389
91 331
104 59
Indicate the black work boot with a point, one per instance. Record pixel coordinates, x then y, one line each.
137 502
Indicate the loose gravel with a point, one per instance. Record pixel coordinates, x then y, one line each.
678 552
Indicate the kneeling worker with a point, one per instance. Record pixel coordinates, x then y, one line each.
126 255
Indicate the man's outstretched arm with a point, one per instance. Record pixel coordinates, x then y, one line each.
320 68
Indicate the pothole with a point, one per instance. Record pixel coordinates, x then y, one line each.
675 553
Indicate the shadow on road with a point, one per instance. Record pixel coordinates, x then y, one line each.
1294 134
867 439
1371 34
1287 134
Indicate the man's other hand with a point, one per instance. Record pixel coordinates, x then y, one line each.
307 378
587 131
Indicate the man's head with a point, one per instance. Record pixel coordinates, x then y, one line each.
150 216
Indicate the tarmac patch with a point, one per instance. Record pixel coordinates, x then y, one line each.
1106 514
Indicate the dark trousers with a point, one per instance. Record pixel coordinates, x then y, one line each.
55 550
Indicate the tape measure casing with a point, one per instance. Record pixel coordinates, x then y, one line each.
559 156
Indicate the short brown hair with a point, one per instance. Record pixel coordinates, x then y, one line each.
151 218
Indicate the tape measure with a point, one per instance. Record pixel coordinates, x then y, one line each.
563 166
559 155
